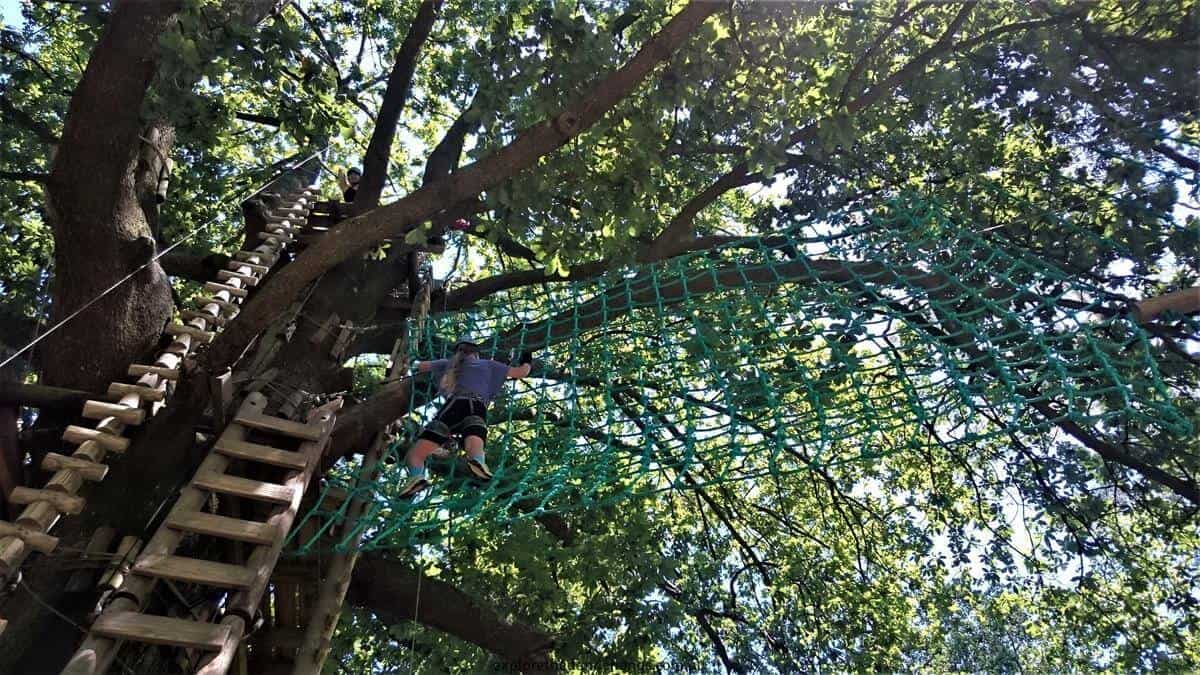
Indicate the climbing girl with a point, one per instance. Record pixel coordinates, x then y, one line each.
468 383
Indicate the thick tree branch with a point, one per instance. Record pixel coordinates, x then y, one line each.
42 396
194 267
944 45
269 120
901 15
379 149
24 119
621 300
389 589
477 290
358 234
30 176
681 226
1183 301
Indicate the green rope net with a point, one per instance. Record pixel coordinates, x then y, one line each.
843 339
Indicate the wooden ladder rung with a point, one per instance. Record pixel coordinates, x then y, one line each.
118 389
195 571
278 425
138 369
189 314
36 540
244 487
265 258
249 531
229 309
261 453
250 279
162 630
214 287
89 470
254 267
98 410
184 329
65 503
80 435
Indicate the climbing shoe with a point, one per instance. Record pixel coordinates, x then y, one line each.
479 469
414 485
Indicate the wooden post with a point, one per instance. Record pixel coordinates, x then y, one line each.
322 622
1183 301
81 580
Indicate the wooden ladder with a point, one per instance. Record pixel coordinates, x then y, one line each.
127 401
123 619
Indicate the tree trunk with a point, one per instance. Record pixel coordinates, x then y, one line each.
100 230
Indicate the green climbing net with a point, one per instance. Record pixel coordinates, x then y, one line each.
842 339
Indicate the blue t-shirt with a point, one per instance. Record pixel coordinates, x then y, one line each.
483 378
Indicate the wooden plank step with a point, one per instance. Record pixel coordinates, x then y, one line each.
36 540
189 314
261 453
264 258
79 435
227 308
195 571
278 425
259 269
184 329
214 287
119 389
162 630
65 503
98 410
271 236
244 487
172 374
249 531
89 470
250 279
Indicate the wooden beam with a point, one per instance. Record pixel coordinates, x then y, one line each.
78 435
1183 301
42 396
65 503
38 541
91 471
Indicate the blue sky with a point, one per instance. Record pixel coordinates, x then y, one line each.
10 12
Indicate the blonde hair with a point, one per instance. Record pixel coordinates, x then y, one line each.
450 377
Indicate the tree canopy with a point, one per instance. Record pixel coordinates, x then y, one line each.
841 365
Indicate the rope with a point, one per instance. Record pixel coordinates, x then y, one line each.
840 340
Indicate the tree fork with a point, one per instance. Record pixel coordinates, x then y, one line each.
358 234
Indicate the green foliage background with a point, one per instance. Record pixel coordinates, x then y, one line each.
1058 127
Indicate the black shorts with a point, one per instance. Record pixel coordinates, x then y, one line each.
460 416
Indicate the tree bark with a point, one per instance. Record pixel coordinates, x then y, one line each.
379 150
193 267
42 396
389 590
100 231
